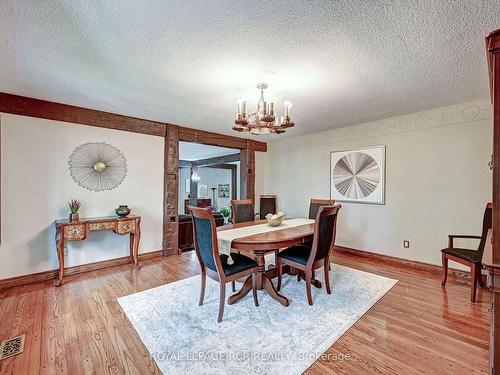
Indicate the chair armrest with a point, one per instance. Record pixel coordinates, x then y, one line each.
451 237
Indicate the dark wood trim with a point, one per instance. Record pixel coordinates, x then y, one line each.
75 270
493 56
217 160
20 105
215 139
400 262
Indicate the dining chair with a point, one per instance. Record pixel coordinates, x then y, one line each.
214 264
468 257
267 205
315 204
307 259
243 210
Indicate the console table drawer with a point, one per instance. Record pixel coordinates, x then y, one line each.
125 226
102 226
74 232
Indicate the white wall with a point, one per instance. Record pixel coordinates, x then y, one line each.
36 185
437 178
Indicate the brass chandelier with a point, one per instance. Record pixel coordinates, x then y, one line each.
265 119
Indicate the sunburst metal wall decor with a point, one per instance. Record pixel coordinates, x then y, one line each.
97 166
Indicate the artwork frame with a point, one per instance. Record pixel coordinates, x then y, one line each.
203 191
223 191
358 175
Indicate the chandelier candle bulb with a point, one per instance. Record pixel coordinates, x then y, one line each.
265 119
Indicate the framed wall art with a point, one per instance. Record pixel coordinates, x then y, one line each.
358 175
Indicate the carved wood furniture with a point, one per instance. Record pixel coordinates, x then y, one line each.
258 245
306 259
492 254
77 231
214 264
468 257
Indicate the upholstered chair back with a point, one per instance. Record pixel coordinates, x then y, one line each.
325 230
203 236
267 205
487 225
243 210
315 204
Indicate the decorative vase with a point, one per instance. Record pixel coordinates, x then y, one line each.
74 217
122 211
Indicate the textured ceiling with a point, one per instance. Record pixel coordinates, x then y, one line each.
196 151
186 62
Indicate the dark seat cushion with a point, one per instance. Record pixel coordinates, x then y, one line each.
473 256
241 263
299 254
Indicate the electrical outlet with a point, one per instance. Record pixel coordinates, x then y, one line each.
65 251
406 244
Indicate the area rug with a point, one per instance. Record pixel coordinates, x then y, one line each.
184 338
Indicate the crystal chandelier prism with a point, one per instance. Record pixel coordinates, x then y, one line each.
265 119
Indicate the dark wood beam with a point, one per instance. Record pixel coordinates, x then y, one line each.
217 160
20 105
185 164
215 139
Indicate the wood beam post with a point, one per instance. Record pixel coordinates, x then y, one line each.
247 172
171 191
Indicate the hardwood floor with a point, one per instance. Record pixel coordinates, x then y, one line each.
416 328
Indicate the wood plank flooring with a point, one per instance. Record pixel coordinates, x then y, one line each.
79 328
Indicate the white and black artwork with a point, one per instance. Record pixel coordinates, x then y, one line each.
223 191
358 175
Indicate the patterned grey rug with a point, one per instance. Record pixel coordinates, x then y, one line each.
184 338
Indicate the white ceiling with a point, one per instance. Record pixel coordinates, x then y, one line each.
186 62
195 151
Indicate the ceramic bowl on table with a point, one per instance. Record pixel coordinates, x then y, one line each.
276 219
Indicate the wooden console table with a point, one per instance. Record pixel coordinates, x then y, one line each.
77 231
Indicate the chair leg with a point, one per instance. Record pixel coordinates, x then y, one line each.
221 301
444 260
233 285
203 283
327 277
474 271
279 270
479 275
298 277
254 289
308 288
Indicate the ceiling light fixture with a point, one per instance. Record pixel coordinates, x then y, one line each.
265 119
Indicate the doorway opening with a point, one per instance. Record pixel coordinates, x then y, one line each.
209 176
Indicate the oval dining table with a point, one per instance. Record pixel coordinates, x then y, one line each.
258 245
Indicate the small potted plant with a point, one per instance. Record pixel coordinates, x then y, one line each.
225 213
74 207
